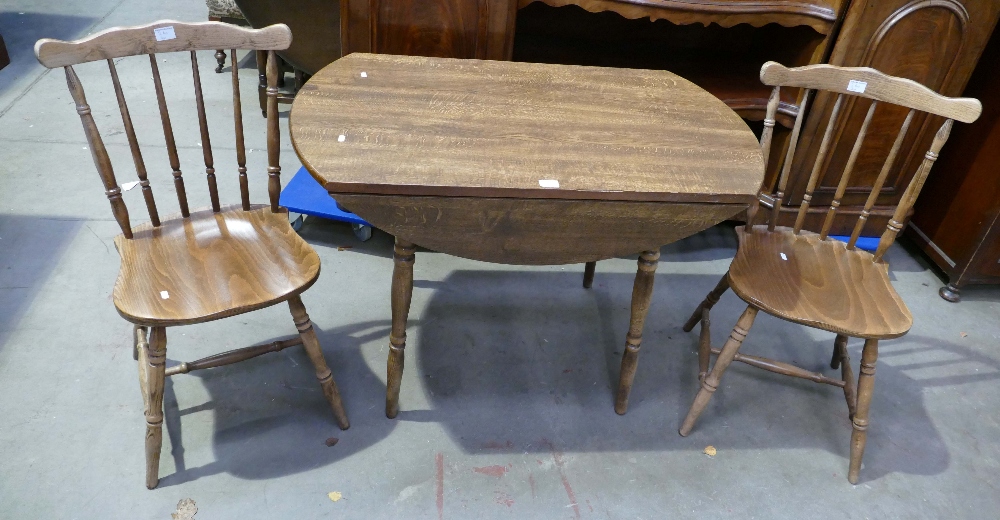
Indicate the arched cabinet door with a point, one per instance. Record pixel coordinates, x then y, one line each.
934 42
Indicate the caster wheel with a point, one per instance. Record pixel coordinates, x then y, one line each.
362 231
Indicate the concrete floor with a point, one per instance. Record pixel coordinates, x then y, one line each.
507 396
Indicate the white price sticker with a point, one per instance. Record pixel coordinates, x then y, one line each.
164 295
857 86
164 33
548 183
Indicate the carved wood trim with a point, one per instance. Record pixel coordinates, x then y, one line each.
787 13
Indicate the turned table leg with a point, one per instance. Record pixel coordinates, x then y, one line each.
402 291
642 293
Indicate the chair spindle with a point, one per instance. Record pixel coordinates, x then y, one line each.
273 146
877 187
168 136
133 143
845 177
820 159
206 141
241 156
910 195
793 141
99 153
765 148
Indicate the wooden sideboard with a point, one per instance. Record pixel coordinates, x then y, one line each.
934 42
955 220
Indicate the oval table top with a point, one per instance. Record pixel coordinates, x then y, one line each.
404 125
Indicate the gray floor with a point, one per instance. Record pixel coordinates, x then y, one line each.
507 395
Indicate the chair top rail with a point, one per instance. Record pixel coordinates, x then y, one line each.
870 83
159 37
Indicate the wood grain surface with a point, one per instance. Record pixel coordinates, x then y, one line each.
819 283
878 86
534 231
118 42
211 265
431 126
818 14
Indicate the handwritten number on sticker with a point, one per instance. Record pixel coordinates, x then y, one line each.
857 86
164 33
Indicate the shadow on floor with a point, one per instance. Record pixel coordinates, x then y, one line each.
270 416
21 30
519 361
38 238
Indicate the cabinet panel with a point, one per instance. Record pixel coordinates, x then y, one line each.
443 28
933 42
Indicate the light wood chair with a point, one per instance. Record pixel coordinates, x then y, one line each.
809 278
201 265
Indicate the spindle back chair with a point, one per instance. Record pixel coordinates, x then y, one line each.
810 278
199 265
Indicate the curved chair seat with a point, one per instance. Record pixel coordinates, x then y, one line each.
211 265
819 283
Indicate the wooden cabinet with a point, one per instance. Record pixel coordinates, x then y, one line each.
934 42
955 220
482 29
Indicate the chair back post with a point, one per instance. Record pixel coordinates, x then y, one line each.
241 155
206 140
163 37
793 141
99 152
880 88
273 142
133 143
910 195
765 148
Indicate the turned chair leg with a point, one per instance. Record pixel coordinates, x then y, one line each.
402 291
315 353
588 274
702 314
708 302
642 293
152 363
866 383
220 58
711 381
844 362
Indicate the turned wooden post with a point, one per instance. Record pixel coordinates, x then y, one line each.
220 60
402 291
273 142
168 136
206 140
241 156
99 153
866 383
152 361
702 314
711 381
315 353
133 143
642 293
846 373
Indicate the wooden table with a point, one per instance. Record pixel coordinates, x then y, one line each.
522 163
